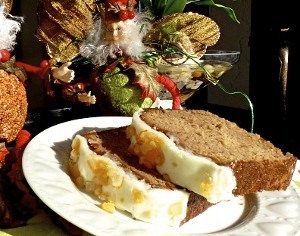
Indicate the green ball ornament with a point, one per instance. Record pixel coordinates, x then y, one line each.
124 96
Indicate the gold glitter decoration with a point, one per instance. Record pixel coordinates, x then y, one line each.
61 23
190 32
13 106
7 5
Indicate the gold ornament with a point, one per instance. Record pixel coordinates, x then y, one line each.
62 25
190 32
7 5
13 106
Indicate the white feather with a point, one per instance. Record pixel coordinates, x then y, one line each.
9 27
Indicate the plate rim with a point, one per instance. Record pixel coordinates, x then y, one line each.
125 121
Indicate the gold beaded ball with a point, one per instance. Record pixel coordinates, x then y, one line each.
13 106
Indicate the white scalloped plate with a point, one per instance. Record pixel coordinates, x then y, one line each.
45 169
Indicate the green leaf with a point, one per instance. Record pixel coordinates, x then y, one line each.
160 8
230 12
174 6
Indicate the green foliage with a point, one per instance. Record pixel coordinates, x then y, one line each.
161 8
228 10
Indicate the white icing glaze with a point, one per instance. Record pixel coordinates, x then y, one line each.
196 173
157 206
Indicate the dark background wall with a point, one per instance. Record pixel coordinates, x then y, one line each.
274 31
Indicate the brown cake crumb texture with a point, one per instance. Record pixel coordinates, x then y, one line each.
115 143
257 164
13 106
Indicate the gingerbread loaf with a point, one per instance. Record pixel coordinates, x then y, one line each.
101 164
203 152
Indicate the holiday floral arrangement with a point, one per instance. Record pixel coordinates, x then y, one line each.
105 53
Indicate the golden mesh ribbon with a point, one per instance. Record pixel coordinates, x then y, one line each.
7 5
61 23
199 29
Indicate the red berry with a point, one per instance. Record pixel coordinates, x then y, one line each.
128 60
123 14
44 64
4 55
110 67
131 14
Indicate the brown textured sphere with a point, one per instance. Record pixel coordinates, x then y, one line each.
13 106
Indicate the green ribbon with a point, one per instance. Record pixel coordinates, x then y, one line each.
166 50
245 96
